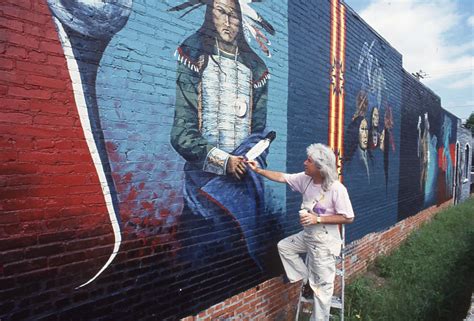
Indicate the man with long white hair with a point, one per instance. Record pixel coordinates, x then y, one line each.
325 204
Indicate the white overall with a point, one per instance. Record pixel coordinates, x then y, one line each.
322 243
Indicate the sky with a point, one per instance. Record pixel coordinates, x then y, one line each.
434 36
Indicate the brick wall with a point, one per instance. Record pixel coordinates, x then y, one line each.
270 300
464 154
94 220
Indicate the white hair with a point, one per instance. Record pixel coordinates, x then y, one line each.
325 159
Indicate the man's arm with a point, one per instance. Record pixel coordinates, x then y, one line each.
271 175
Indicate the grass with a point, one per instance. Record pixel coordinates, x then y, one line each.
429 278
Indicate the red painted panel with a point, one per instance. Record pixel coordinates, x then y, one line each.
50 192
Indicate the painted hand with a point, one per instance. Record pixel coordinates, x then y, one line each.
236 166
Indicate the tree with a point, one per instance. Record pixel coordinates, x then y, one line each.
470 123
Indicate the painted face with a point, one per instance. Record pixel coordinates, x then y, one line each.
375 138
375 117
363 134
226 20
310 168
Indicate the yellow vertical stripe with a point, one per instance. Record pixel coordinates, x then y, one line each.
332 107
342 48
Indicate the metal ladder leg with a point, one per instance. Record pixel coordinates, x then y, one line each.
338 302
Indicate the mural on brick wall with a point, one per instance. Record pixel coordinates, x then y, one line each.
463 160
87 28
369 140
428 134
124 124
370 137
445 161
212 209
428 161
220 113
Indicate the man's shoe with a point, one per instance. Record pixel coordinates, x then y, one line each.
285 279
306 291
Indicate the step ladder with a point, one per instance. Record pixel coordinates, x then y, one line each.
337 302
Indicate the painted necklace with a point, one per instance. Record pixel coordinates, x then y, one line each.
240 105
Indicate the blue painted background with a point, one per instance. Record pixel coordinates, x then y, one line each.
308 88
374 202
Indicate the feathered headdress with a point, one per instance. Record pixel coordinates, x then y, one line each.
252 21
